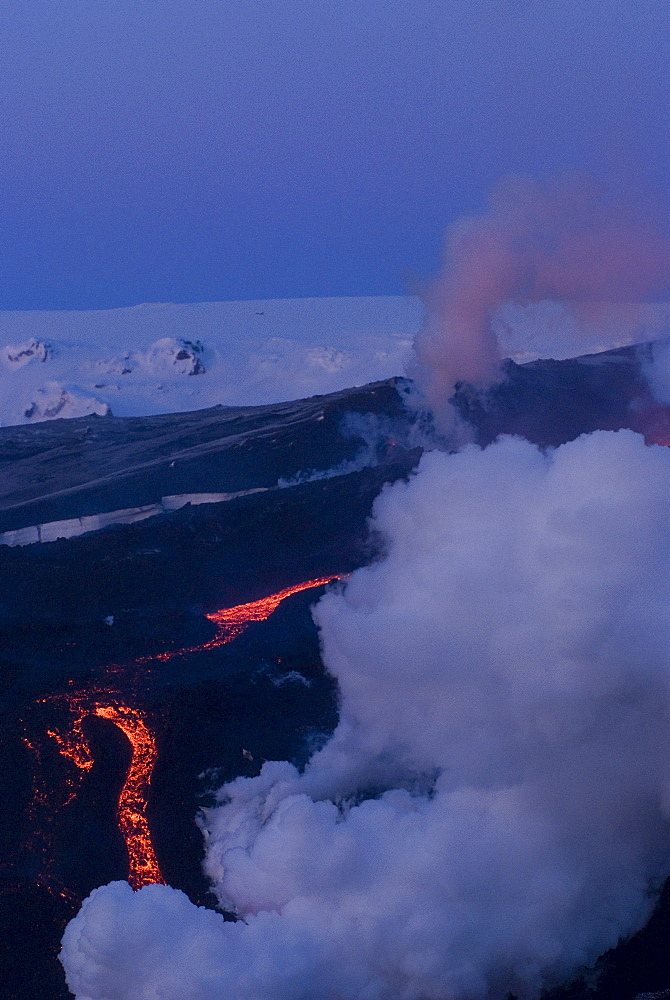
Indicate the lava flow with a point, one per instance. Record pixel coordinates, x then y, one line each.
142 863
143 867
231 622
104 700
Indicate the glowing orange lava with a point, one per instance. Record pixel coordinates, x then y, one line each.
74 746
143 867
105 701
231 622
142 863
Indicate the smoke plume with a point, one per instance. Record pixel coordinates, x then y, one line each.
569 240
655 362
491 812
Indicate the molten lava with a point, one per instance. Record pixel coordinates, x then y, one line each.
231 622
74 745
104 700
143 867
142 863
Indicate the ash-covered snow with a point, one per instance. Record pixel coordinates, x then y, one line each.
164 358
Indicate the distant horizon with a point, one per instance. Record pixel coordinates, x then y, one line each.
204 302
663 300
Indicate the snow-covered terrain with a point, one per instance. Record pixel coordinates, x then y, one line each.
169 358
75 526
165 358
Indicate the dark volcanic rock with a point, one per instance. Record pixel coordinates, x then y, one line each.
210 556
72 468
551 402
218 712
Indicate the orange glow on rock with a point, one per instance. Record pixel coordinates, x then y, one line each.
106 702
232 622
143 866
74 746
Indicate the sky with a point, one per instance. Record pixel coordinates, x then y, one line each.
200 151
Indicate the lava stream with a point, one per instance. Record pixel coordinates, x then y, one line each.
105 701
231 622
143 867
142 864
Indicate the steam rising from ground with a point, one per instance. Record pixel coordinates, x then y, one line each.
567 241
656 366
491 812
378 435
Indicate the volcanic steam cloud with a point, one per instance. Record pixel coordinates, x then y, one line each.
569 240
492 810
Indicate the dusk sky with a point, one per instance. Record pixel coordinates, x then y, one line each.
230 149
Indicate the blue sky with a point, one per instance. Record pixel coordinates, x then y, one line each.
203 150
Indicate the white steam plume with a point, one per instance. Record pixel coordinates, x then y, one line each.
656 367
378 434
567 240
492 810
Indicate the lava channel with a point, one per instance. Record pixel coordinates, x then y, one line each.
232 622
132 808
142 863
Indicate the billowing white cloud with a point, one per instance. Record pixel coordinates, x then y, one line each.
492 810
